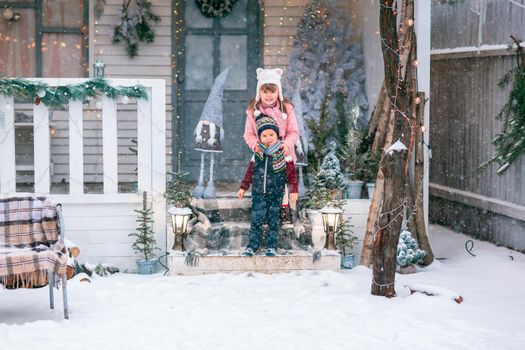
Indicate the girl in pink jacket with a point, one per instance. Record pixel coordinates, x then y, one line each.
269 100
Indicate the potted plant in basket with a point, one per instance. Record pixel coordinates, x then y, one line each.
145 242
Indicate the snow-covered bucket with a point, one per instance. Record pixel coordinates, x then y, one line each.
146 267
318 234
353 189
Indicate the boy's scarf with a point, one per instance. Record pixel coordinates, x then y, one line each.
276 153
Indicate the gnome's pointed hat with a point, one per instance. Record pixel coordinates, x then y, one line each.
212 111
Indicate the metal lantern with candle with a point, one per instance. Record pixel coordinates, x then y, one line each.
331 221
98 69
179 222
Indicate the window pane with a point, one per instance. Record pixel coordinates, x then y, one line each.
63 13
62 55
194 17
17 45
199 62
234 54
237 17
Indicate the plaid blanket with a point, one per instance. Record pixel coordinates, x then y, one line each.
30 245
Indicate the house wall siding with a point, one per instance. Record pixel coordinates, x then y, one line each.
154 60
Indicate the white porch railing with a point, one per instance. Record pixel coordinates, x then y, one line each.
151 164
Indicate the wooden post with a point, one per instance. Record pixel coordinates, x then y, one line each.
394 165
419 171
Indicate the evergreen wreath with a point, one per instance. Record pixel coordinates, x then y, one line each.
510 142
215 8
59 97
135 26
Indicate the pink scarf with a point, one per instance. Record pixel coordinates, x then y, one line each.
274 111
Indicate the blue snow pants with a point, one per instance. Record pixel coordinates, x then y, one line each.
265 208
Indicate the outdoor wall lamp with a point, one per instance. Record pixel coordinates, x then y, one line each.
98 69
179 222
331 221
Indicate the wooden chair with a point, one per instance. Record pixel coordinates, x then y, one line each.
32 250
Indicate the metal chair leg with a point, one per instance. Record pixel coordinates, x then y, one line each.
64 296
51 281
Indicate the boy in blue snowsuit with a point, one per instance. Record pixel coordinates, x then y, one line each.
269 171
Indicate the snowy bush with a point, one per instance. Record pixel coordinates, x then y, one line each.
330 172
407 251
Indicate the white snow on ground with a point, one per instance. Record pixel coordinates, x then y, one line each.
297 310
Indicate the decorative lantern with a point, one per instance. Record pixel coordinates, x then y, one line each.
331 221
179 222
98 69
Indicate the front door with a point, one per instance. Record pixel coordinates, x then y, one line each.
205 47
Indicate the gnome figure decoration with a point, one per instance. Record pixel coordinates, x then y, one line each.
209 134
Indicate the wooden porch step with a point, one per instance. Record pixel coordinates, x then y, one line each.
259 263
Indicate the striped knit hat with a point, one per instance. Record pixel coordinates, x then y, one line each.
265 122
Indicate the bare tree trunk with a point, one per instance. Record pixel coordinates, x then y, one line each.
378 111
382 127
373 211
394 165
422 237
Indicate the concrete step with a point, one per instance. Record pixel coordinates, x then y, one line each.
238 263
226 207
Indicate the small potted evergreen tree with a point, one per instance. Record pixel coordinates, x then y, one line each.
145 242
344 239
178 195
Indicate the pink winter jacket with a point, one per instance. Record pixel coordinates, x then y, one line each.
288 130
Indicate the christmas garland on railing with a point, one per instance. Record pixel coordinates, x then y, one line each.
510 142
215 8
59 97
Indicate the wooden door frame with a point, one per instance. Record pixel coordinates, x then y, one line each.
178 31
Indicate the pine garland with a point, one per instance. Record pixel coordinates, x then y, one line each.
510 142
135 26
59 97
215 8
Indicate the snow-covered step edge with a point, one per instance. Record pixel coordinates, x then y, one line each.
261 264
